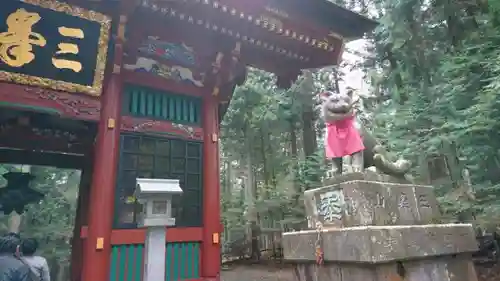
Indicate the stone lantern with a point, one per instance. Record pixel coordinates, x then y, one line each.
155 195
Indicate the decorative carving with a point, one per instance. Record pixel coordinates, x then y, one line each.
71 103
216 69
161 128
187 129
35 137
173 52
277 12
19 59
216 66
327 44
271 23
236 66
176 72
323 44
334 35
43 100
5 129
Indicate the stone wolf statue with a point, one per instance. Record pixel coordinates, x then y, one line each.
347 142
342 139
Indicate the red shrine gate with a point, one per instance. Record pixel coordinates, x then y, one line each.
127 89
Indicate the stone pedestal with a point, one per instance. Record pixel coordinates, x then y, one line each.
370 199
376 229
154 253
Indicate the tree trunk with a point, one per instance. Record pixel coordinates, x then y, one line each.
16 219
229 176
293 141
263 152
61 272
308 132
250 196
336 80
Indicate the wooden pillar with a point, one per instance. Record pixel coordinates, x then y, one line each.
80 220
96 261
210 251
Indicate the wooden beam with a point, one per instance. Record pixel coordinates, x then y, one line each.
138 235
34 99
26 157
160 83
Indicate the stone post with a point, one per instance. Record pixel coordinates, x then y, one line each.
375 228
156 197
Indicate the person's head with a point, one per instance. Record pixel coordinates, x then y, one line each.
29 246
13 234
9 244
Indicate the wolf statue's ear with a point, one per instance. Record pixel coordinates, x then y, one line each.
350 92
325 95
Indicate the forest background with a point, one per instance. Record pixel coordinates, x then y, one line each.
431 81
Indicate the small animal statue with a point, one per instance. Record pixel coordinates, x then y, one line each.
342 140
180 73
185 74
142 65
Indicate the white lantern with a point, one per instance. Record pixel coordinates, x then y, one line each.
156 197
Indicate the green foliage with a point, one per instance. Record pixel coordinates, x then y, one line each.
51 220
433 69
446 58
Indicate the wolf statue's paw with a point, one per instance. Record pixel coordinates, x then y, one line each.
357 169
403 165
398 168
330 174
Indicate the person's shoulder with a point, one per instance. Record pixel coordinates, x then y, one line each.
24 268
41 259
35 261
10 261
23 273
13 267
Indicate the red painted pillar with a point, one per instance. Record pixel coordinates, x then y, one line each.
96 261
210 252
80 220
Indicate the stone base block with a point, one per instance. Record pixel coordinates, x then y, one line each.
381 244
446 268
369 198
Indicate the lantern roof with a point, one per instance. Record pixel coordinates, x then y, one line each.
156 187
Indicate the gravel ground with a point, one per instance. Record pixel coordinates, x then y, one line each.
256 273
488 273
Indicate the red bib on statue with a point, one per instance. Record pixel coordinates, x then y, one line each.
342 138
